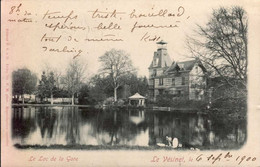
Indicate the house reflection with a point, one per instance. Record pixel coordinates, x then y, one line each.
194 130
188 129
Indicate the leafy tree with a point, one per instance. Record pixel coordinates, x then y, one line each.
100 88
42 92
61 92
47 86
138 84
74 77
84 95
165 100
222 45
116 64
51 85
23 82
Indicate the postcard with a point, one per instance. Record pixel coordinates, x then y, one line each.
130 83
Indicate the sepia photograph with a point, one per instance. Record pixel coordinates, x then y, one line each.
167 82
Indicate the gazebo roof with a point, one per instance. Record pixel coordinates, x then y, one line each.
137 96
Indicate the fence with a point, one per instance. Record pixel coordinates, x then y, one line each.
57 100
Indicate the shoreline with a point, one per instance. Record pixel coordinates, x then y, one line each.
153 108
51 105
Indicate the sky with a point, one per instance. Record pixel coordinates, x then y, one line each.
27 49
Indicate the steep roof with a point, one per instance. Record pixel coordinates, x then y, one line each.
185 66
182 66
163 58
173 67
167 62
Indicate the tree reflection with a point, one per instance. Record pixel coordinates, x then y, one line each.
229 131
73 120
118 125
88 126
23 122
45 119
54 123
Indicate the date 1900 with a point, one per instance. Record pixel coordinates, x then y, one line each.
225 157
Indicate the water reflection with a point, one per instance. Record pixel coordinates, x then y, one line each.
88 126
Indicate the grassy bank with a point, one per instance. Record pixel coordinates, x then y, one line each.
125 147
91 147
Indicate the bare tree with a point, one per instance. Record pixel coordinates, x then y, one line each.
116 64
74 77
222 45
57 73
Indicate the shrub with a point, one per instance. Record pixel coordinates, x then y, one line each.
167 100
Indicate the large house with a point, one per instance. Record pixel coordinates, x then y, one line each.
186 79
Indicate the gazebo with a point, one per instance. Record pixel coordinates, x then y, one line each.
137 100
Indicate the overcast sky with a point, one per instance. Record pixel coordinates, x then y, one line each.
26 48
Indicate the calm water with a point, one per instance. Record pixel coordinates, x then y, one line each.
86 126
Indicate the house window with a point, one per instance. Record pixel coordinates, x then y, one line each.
181 66
151 82
183 80
173 81
179 93
155 62
196 69
154 73
161 81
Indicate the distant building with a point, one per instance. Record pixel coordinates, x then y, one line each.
186 79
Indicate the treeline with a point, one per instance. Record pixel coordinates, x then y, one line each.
117 78
100 89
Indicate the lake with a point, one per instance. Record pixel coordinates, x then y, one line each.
119 128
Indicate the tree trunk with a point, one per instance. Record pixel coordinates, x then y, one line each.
23 98
115 115
16 99
236 132
115 94
51 98
72 99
